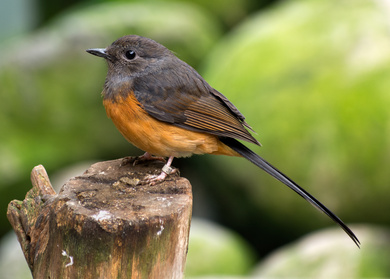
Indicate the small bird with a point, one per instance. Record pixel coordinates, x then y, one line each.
164 107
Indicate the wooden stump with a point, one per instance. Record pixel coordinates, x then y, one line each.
105 224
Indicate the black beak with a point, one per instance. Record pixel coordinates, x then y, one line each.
101 52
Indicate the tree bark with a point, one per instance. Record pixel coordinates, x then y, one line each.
105 223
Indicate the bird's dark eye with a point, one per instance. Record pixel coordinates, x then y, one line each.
130 54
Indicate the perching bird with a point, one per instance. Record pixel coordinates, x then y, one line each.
164 107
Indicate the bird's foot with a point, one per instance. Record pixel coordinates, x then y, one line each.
147 157
154 179
165 171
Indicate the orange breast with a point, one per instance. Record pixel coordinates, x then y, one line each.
157 137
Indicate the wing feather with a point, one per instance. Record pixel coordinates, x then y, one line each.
188 101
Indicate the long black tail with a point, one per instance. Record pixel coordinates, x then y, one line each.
267 167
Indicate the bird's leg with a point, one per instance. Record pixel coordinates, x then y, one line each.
166 170
147 157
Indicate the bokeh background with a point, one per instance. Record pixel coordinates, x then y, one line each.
311 77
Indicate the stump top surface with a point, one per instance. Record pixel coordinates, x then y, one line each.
110 191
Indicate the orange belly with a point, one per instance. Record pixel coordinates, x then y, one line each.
157 137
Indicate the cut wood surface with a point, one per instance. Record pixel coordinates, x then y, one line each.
105 223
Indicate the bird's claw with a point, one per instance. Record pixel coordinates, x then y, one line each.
147 157
154 179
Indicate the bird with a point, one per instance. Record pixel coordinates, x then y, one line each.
164 107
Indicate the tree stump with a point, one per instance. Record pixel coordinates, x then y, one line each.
105 223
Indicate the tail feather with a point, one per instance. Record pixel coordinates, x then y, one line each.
267 167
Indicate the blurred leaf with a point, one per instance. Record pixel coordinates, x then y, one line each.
215 250
326 254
